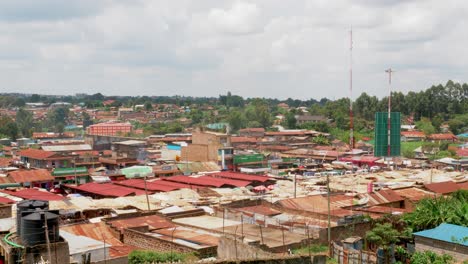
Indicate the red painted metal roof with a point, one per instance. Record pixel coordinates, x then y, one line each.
36 154
224 181
442 187
241 176
107 189
34 194
462 152
39 175
463 185
195 181
151 186
173 184
5 200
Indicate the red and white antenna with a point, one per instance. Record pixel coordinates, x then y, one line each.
351 120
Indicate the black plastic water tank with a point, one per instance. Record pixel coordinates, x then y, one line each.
25 206
33 230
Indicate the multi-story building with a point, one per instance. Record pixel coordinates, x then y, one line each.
109 129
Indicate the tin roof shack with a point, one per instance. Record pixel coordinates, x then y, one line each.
444 239
156 232
269 239
442 188
412 196
32 178
102 233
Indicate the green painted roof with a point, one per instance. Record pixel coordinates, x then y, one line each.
137 171
69 171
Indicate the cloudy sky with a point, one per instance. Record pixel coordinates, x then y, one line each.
261 48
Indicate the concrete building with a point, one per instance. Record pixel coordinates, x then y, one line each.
444 239
109 129
209 146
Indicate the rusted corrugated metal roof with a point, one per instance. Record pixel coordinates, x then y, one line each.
39 175
260 209
382 210
241 176
188 234
36 154
384 196
442 187
413 194
317 203
101 232
152 221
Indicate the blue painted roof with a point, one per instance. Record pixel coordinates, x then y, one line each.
446 232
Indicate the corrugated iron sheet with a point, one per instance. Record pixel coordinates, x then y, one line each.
442 187
152 221
39 175
33 194
241 176
106 189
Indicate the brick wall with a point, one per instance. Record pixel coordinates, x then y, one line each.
194 152
459 252
5 211
344 231
141 240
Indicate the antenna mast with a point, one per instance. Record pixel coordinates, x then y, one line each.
351 121
389 71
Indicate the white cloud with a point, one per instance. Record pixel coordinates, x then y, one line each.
267 48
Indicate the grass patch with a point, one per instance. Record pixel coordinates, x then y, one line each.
316 248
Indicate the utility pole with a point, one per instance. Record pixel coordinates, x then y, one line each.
351 119
389 71
146 193
49 256
329 217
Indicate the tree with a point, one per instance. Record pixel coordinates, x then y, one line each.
429 257
259 112
8 127
148 106
290 120
24 121
383 235
57 118
425 125
35 98
235 120
431 212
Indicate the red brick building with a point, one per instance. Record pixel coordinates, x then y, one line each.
109 129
